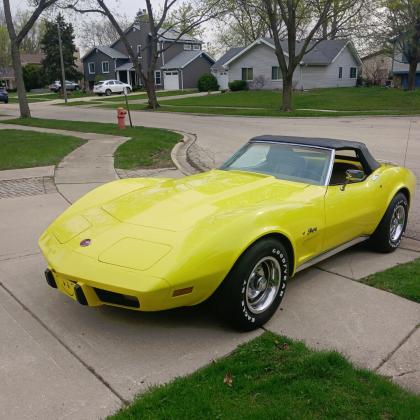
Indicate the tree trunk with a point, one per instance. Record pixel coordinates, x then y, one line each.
151 94
287 93
20 84
412 74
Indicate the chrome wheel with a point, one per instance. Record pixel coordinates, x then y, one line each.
397 223
263 284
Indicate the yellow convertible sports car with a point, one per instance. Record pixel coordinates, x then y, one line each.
235 234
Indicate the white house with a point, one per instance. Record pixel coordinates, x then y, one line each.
330 63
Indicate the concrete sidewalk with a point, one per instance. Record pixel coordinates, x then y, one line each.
87 167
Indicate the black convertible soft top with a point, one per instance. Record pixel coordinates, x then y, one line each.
366 159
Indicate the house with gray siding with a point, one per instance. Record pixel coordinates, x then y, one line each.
400 65
329 63
179 65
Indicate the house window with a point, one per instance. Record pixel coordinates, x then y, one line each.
91 68
247 73
105 66
340 72
275 73
187 46
139 50
196 47
158 78
353 72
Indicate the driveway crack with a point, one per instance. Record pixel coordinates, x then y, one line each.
401 343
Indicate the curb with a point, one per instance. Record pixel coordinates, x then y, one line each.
179 155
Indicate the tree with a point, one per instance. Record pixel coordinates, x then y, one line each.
243 22
180 19
16 38
202 11
33 76
404 21
95 32
31 43
51 63
307 18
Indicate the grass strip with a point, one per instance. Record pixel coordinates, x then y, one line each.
273 377
402 280
27 149
147 148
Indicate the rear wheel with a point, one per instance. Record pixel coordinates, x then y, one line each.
108 92
254 288
388 234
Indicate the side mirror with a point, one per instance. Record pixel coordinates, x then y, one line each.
353 175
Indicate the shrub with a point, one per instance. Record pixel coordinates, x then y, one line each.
238 85
33 76
207 82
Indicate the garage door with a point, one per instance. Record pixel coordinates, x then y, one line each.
171 81
222 80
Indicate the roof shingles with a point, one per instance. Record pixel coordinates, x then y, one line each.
322 54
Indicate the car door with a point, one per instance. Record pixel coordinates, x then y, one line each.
351 209
111 86
119 87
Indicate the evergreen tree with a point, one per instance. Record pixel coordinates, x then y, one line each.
49 45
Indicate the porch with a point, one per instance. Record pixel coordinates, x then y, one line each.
126 74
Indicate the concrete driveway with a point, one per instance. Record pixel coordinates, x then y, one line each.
62 360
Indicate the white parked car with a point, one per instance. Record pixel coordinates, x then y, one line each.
108 87
56 86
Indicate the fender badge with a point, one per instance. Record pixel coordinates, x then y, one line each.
85 242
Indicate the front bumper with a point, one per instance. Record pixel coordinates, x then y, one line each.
93 283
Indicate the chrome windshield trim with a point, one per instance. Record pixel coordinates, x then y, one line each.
330 169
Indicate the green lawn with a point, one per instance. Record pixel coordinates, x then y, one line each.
273 377
143 95
403 280
148 147
348 101
33 97
26 149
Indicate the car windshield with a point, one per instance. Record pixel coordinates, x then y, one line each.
284 161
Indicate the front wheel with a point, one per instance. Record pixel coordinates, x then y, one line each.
254 288
108 92
388 234
128 91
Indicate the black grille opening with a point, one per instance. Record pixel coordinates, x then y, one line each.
117 298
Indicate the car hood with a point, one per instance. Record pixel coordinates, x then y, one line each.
178 204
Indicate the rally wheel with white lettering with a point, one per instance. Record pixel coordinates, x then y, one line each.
254 288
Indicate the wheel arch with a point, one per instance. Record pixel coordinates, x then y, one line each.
406 192
284 240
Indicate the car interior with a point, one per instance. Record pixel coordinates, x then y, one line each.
344 160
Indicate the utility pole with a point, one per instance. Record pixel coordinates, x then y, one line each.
63 74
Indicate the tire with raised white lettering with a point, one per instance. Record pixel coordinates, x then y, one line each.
254 288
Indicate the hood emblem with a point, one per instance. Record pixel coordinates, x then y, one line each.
85 242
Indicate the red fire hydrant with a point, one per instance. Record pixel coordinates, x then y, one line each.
121 113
